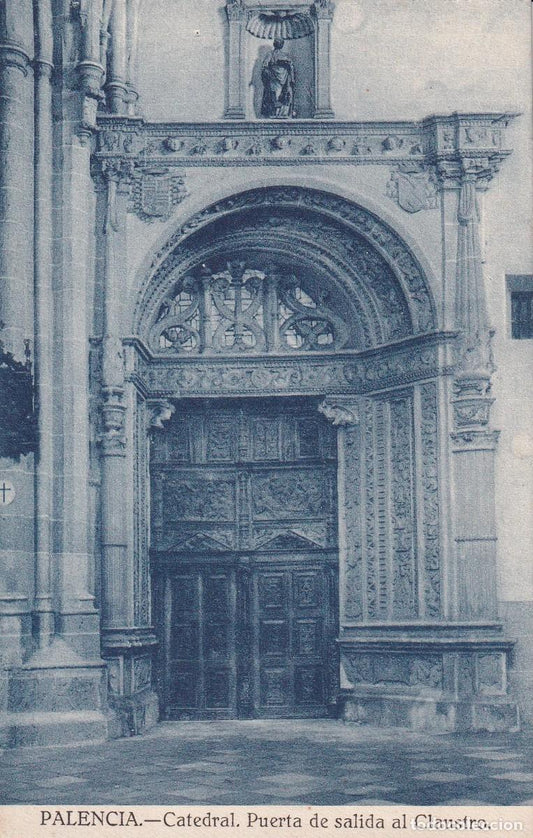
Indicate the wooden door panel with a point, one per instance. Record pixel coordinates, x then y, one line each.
202 653
309 685
290 653
275 687
308 637
243 530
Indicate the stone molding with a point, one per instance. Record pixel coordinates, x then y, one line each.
14 55
333 244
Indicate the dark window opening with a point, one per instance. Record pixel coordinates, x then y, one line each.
521 314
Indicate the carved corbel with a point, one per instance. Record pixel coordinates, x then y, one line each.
341 413
159 412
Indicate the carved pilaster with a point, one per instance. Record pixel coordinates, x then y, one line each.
470 305
343 413
323 13
116 437
236 12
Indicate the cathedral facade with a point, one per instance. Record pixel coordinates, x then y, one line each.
266 313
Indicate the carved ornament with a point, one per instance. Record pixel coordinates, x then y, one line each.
475 440
155 193
413 187
159 412
113 410
382 242
235 9
323 9
339 412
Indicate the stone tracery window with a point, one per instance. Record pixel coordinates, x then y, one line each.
242 309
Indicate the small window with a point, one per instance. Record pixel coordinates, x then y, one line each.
521 306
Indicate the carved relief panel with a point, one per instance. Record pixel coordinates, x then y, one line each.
239 475
400 498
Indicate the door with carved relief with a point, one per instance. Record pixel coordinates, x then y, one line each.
244 556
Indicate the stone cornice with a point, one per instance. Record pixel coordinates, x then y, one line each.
454 145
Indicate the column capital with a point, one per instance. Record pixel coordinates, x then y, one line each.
323 10
341 411
466 146
235 9
14 55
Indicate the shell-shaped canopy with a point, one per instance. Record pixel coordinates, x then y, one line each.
284 25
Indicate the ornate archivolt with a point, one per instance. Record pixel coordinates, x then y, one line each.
366 269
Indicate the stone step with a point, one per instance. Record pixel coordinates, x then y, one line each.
18 730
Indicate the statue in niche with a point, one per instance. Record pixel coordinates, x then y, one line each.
277 75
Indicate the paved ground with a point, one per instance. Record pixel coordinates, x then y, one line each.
275 762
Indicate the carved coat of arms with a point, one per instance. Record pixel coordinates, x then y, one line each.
156 192
413 187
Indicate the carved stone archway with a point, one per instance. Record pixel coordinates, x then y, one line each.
380 369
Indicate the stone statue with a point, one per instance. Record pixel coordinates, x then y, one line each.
277 76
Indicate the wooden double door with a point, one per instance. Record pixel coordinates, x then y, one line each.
250 642
245 561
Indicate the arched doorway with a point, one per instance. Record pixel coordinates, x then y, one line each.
292 336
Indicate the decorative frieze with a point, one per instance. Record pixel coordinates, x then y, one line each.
354 373
447 144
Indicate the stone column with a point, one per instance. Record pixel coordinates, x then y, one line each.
132 37
323 12
93 21
16 181
343 413
116 83
235 108
44 485
117 580
16 312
